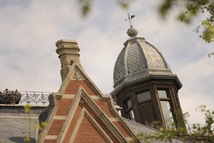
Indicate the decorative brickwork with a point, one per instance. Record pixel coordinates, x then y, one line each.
79 112
84 116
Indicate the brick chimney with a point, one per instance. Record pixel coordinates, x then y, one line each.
68 52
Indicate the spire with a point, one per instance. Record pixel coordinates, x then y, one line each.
129 18
132 32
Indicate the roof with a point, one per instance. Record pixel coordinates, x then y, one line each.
138 128
78 112
139 59
16 124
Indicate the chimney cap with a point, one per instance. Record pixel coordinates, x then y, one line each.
65 41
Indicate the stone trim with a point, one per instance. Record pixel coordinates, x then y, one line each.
102 117
51 137
73 69
87 100
114 119
60 117
76 128
69 117
49 120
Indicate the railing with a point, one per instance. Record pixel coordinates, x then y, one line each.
34 98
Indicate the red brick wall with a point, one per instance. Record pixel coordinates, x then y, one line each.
55 127
63 107
72 124
73 86
88 133
105 106
49 141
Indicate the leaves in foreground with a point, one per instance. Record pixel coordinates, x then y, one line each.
192 9
192 133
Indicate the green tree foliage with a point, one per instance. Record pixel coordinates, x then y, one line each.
85 6
192 9
193 133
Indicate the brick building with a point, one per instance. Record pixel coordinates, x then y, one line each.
79 112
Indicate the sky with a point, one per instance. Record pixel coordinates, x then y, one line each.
30 28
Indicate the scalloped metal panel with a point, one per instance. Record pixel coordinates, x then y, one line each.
135 59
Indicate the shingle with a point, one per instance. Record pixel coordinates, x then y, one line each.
15 128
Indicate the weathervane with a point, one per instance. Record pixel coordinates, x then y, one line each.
129 18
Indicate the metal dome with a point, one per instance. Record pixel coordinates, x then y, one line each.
139 59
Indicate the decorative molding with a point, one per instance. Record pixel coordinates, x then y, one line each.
10 97
78 75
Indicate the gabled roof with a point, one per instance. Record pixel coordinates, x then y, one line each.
81 114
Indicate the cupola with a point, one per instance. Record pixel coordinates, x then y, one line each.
144 85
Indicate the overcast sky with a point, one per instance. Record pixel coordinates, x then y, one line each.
30 28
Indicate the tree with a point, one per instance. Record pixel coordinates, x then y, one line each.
192 8
194 133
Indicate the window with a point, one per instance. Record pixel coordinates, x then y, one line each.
143 96
128 104
145 104
129 113
162 93
165 105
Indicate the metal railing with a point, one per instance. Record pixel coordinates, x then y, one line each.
34 98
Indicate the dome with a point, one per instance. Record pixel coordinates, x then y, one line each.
138 59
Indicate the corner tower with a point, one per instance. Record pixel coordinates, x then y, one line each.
144 85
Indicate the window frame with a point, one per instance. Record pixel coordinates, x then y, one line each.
148 100
128 109
165 99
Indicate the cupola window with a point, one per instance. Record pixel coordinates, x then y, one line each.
143 96
167 114
162 94
129 113
165 105
146 106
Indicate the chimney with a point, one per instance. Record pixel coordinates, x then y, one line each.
68 52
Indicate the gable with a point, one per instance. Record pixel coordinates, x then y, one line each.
80 113
75 78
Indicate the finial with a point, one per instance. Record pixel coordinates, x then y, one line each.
129 18
132 32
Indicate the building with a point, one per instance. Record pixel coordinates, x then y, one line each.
144 85
80 113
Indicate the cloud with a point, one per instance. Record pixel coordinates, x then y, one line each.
29 31
197 78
